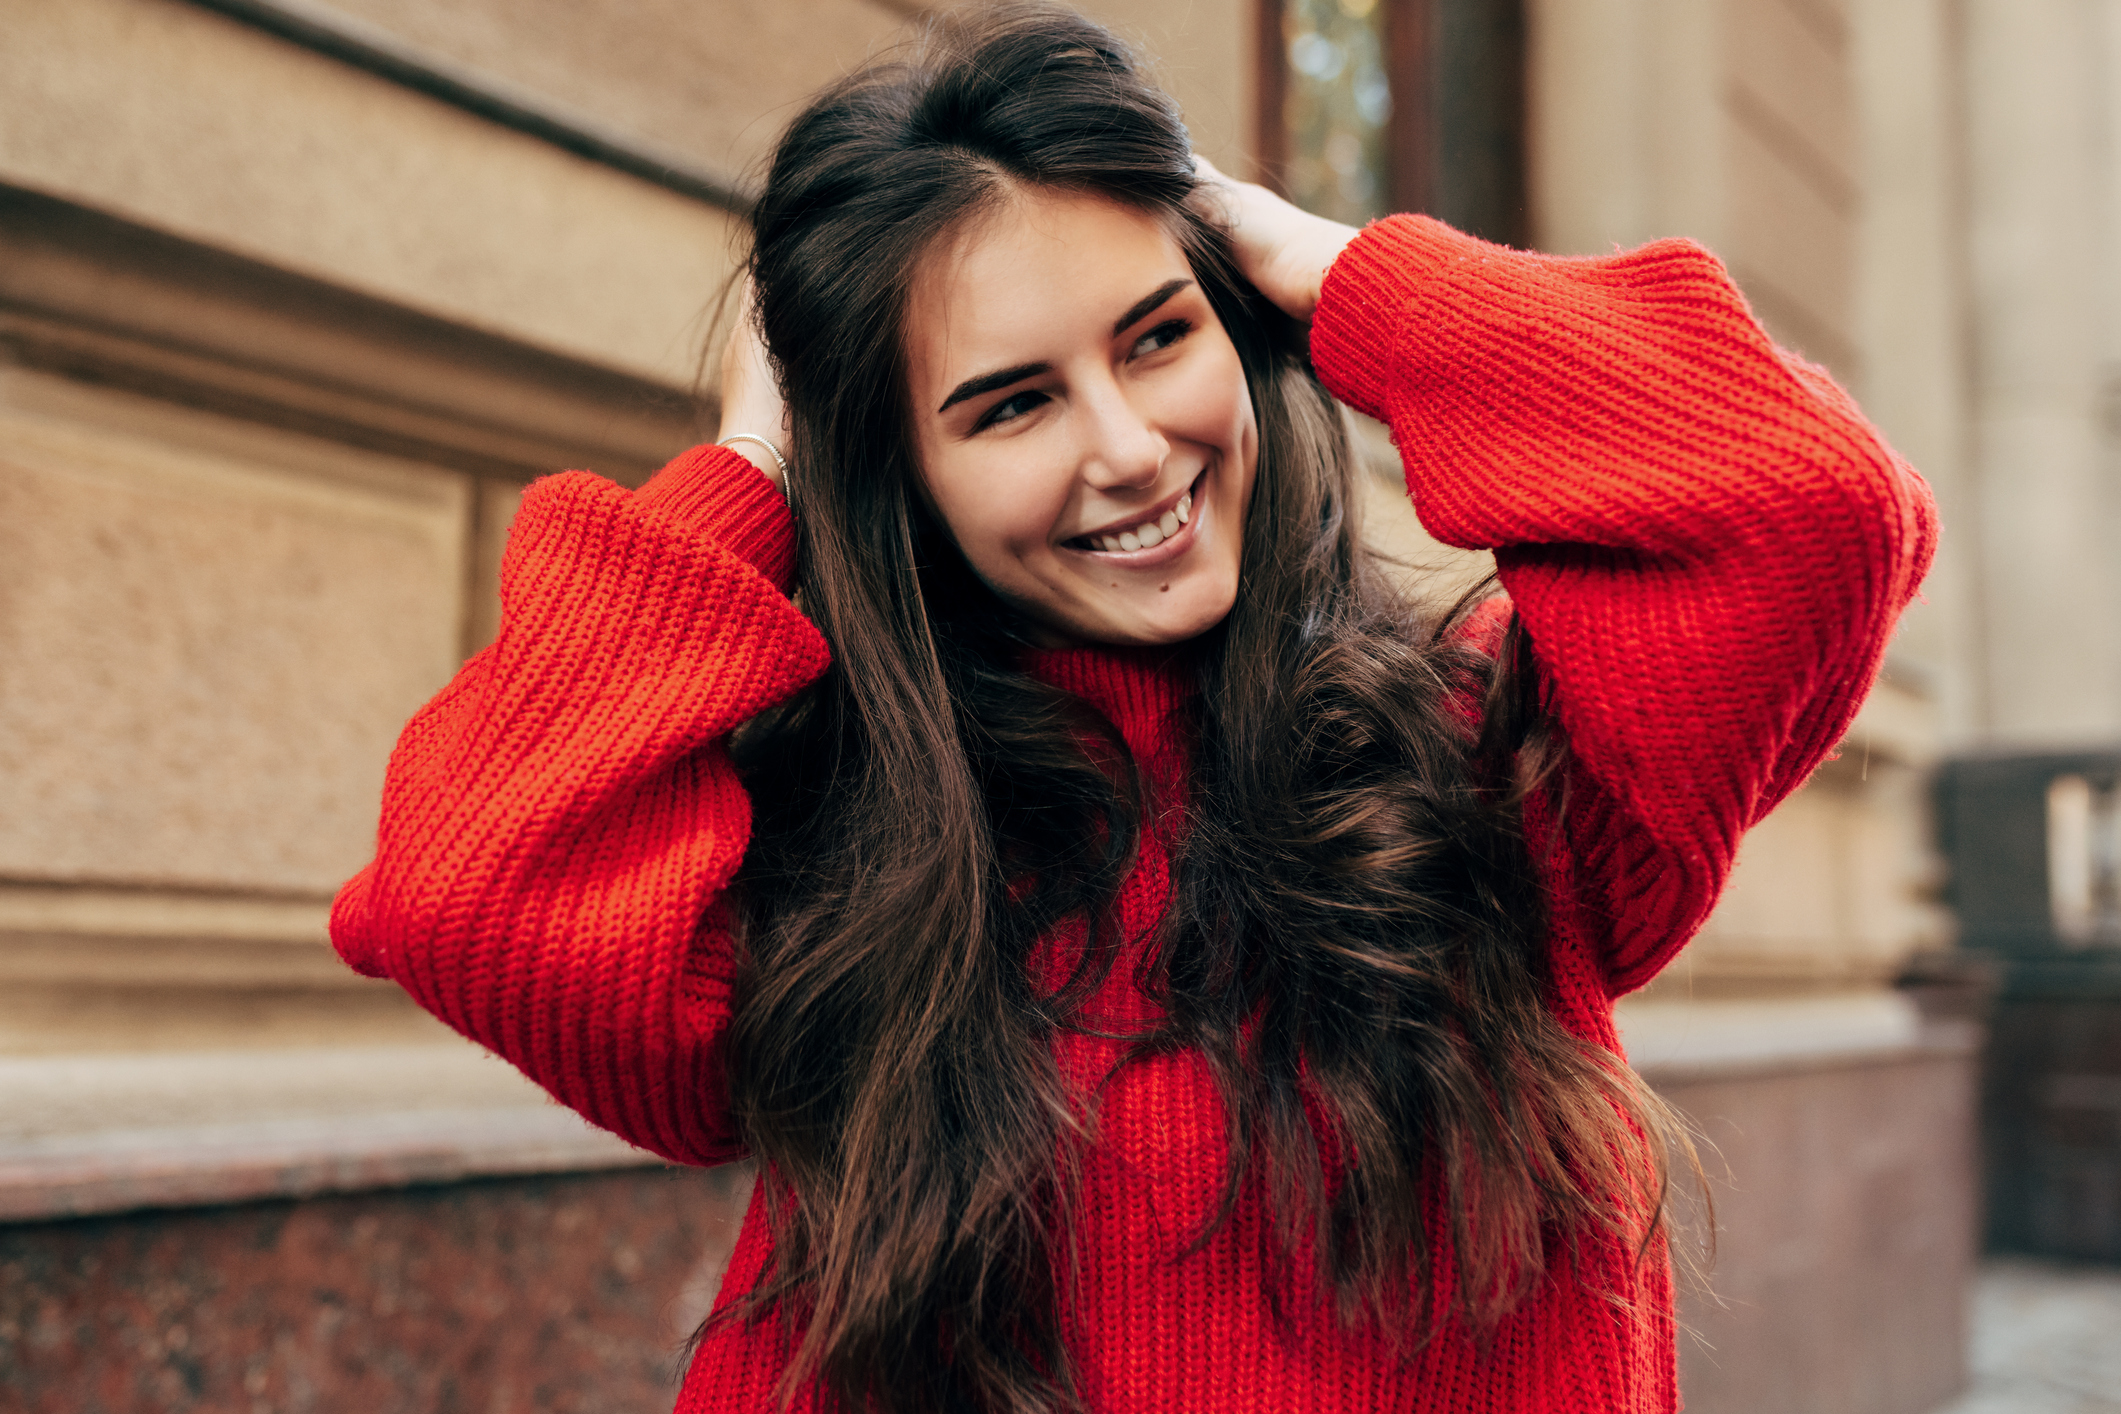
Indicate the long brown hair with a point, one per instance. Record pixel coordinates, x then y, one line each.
1354 932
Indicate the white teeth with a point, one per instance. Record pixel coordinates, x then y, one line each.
1148 534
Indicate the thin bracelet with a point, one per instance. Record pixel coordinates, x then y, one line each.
779 461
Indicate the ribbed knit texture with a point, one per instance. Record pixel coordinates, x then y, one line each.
1708 545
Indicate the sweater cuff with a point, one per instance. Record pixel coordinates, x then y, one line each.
1355 329
716 491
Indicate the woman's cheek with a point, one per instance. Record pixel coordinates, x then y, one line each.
1216 407
1021 537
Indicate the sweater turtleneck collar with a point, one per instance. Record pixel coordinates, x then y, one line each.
1141 691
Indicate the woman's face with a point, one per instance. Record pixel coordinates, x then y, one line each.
1082 419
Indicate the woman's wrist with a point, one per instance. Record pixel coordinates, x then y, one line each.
760 450
1306 259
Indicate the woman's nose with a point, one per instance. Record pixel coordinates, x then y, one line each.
1123 449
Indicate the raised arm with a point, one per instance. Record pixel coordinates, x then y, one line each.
559 823
1708 545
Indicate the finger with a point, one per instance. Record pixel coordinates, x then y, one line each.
1215 195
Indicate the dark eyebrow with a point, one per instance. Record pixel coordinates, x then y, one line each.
1142 306
988 382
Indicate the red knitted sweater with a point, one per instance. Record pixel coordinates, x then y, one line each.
1709 548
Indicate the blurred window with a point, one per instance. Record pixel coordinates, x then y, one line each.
2084 861
1372 106
1336 106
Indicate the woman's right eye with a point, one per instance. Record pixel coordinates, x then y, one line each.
1009 409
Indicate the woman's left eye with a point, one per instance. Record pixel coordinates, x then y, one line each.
1163 336
1010 409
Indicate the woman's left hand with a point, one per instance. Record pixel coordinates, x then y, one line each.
1282 249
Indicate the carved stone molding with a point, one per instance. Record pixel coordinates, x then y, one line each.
97 298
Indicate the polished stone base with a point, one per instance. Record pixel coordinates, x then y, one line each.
1842 1168
568 1295
1839 1145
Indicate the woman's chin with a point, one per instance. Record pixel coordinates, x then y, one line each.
1164 616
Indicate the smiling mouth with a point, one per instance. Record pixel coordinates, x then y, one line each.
1148 533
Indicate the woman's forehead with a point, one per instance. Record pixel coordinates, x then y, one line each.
1032 276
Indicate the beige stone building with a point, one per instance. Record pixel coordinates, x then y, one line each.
295 297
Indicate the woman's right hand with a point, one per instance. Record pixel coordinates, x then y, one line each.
1283 250
751 396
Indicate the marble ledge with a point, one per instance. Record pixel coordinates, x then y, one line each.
1671 1040
99 1134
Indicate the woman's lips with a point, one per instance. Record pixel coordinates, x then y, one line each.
1153 540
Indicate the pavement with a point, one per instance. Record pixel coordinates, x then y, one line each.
2047 1340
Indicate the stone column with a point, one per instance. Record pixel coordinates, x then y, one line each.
2041 185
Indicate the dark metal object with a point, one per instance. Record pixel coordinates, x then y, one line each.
377 51
2051 1121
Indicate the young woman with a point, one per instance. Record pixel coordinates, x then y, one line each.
1156 965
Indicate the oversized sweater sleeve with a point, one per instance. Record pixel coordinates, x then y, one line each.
1707 544
559 823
